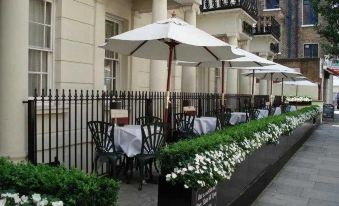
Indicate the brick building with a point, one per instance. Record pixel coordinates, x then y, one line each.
299 39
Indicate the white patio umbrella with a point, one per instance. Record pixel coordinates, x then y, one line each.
280 73
247 62
299 82
168 40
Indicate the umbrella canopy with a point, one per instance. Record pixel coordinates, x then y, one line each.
300 82
280 73
276 75
248 61
168 40
152 42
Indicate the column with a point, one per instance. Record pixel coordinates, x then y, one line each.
158 71
232 74
329 90
244 82
14 15
263 83
188 80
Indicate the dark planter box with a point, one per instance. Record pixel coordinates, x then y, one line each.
247 182
300 103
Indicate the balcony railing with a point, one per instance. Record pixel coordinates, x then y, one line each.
267 25
274 48
247 28
250 6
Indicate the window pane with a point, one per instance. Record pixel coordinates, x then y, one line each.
47 37
34 63
48 13
44 56
44 82
33 83
108 69
108 84
311 50
36 34
36 11
272 4
309 15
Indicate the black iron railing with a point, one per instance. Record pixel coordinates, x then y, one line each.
247 28
57 121
250 6
267 25
274 48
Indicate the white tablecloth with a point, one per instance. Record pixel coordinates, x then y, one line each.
277 111
237 117
293 108
128 139
263 113
204 125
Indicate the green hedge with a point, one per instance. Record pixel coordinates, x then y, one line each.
71 186
172 155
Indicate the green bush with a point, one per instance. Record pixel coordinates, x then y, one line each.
73 187
172 155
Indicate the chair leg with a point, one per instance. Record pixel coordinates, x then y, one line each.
94 169
141 171
156 166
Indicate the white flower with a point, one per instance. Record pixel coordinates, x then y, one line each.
57 203
44 202
36 198
186 186
168 177
24 199
174 175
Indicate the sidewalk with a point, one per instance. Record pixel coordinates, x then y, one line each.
311 177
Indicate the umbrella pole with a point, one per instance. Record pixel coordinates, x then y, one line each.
271 90
282 89
222 85
168 86
253 72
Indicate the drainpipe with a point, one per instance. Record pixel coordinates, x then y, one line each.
289 31
297 29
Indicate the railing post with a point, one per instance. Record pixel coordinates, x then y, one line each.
32 132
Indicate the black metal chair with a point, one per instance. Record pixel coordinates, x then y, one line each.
153 139
184 126
103 136
253 114
147 120
223 118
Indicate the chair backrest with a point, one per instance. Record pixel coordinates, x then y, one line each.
153 138
103 135
223 118
253 113
184 122
147 120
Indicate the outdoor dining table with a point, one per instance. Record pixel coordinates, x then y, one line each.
277 111
263 113
128 139
237 118
204 125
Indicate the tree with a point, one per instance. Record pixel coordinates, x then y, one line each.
329 27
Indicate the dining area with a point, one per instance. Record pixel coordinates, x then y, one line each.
129 148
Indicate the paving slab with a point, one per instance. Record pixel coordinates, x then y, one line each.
311 176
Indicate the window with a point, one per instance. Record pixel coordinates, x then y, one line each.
112 63
311 50
309 15
271 4
217 80
40 45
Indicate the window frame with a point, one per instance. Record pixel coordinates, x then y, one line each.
311 43
50 51
271 9
119 59
302 16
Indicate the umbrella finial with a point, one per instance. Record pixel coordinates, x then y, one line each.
174 14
